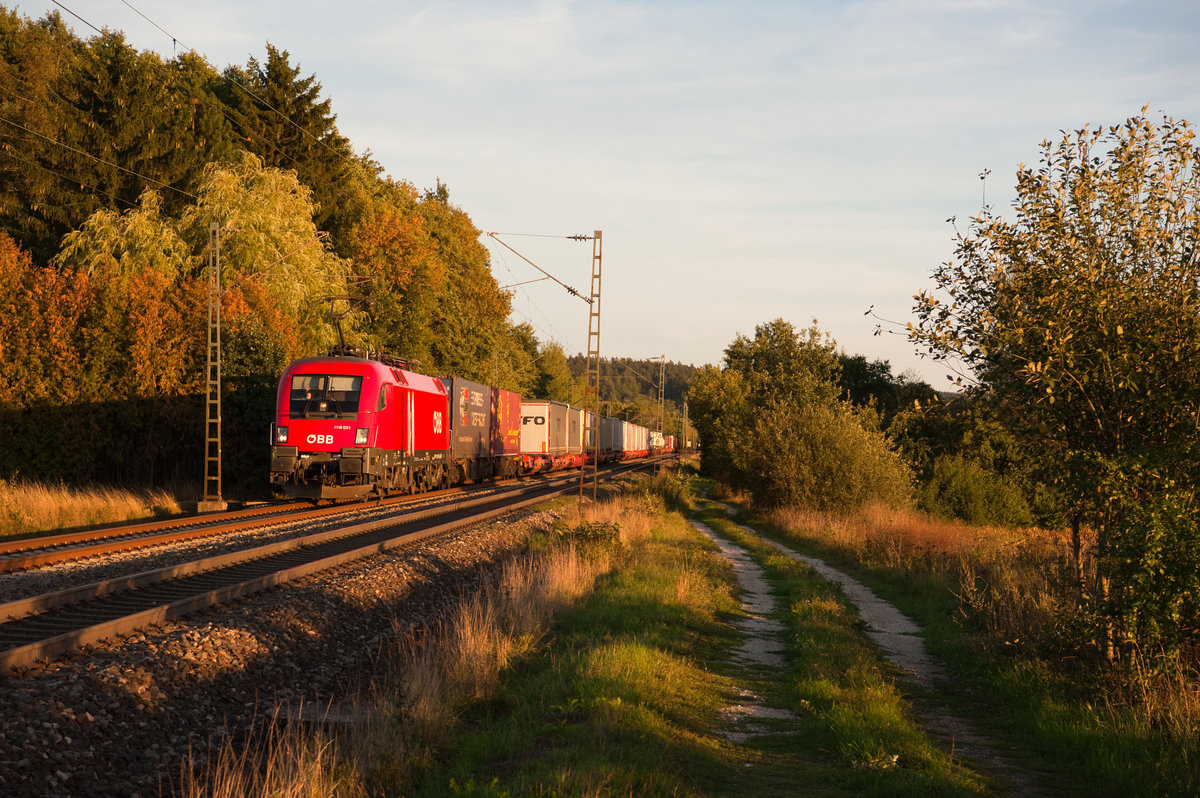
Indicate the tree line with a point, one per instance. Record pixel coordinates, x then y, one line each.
116 164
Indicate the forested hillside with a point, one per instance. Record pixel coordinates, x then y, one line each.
629 389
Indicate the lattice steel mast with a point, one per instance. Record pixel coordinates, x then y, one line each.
212 424
591 390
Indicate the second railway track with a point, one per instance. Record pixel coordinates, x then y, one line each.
50 624
36 552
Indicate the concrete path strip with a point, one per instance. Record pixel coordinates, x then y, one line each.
887 627
762 646
899 638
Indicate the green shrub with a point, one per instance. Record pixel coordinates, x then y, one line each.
591 539
826 457
1155 555
963 488
673 486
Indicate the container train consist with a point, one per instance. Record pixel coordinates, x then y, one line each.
349 427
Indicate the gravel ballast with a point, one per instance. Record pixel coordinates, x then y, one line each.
120 718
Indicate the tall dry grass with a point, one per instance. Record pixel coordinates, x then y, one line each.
456 660
1011 584
1015 590
27 507
461 659
290 762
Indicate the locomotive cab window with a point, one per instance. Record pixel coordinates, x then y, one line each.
324 396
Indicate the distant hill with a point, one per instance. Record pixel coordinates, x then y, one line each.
624 379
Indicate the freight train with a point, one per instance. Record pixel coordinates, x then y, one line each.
351 427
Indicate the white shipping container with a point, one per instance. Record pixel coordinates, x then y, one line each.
589 436
544 427
635 438
574 429
608 435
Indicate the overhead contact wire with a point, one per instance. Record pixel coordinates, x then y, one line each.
98 160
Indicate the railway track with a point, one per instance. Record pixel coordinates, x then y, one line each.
37 552
50 624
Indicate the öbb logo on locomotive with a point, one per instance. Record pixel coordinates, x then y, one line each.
409 436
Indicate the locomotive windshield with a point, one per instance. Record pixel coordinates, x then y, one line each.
324 396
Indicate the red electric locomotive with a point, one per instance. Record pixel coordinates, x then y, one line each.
347 427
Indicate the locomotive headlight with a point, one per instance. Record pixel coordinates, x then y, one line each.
281 435
360 437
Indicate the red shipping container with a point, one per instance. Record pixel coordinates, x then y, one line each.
506 422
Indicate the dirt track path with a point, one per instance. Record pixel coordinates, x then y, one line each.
899 638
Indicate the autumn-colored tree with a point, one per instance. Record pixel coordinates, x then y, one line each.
135 331
397 270
113 165
1081 318
470 319
40 314
274 264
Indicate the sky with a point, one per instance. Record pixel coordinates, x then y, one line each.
745 161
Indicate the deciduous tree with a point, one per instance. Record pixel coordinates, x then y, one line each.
470 319
274 265
772 423
397 269
1082 318
40 314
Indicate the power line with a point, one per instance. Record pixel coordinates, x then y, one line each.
549 336
81 183
239 84
174 41
94 189
544 235
98 160
553 335
81 19
224 112
221 109
528 298
570 290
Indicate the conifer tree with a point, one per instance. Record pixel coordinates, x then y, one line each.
41 193
282 119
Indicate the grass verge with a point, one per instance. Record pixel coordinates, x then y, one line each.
851 709
628 692
599 665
